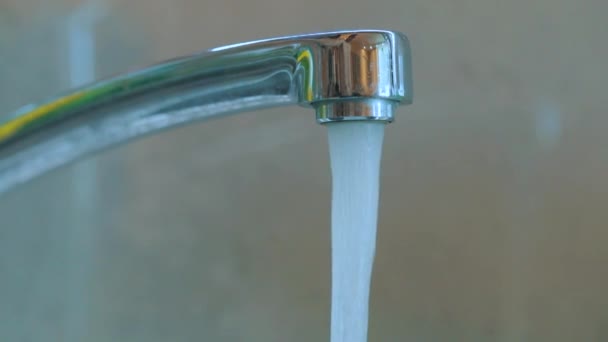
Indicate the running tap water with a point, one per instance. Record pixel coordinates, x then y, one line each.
355 150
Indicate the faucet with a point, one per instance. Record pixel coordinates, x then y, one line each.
344 75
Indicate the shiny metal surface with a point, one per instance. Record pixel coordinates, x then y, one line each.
373 110
346 75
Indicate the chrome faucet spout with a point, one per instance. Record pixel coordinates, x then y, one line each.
345 76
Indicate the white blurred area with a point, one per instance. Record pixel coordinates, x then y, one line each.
492 217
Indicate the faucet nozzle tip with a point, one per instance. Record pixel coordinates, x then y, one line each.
356 110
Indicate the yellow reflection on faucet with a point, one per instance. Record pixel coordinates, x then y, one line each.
13 126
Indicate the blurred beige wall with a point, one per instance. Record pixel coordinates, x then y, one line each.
492 221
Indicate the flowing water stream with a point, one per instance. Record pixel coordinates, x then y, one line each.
355 151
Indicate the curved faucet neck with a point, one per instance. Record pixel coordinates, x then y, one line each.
346 75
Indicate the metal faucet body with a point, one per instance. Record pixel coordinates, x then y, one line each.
344 76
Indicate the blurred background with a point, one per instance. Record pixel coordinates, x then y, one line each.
493 216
